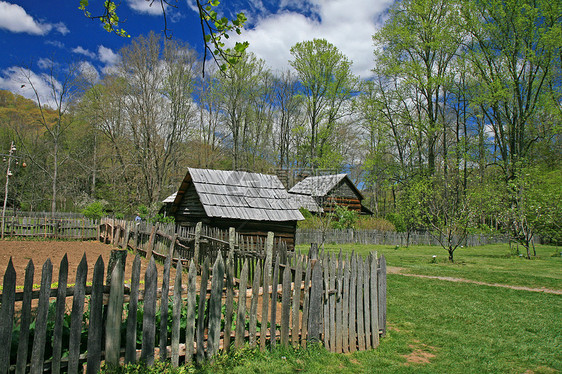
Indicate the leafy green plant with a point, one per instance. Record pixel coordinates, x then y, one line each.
94 210
344 218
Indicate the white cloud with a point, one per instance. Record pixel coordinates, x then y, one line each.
25 82
83 51
45 63
89 71
107 56
55 43
14 18
149 7
61 28
348 24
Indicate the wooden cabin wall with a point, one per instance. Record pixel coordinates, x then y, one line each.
342 195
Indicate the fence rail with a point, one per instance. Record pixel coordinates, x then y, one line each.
337 300
307 236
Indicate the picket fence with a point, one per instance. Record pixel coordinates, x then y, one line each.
51 227
339 301
375 237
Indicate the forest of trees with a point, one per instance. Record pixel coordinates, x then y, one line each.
459 129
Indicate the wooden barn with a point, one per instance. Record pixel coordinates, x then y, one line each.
250 202
321 194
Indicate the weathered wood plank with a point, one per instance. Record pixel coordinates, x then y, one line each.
382 294
295 328
229 300
315 313
274 290
359 306
7 315
23 344
197 243
286 307
215 307
39 338
241 314
353 304
190 318
114 315
267 268
76 316
200 335
59 314
306 304
345 304
339 301
176 315
325 300
332 303
149 316
131 345
374 301
164 308
252 328
367 303
96 319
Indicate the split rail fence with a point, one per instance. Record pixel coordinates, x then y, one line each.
207 305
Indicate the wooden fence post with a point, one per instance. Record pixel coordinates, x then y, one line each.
149 317
241 314
315 313
201 311
96 319
23 345
114 314
164 309
252 328
266 280
76 316
115 256
151 240
190 318
176 315
131 346
215 307
59 314
374 301
197 243
7 315
382 294
39 339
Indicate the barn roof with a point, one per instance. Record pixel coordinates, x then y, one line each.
319 186
240 195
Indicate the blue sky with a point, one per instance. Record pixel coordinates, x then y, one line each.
34 33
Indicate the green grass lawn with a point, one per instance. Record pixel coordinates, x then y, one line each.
491 264
443 326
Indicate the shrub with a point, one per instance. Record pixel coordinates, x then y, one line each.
94 210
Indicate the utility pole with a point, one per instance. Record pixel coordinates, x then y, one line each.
10 155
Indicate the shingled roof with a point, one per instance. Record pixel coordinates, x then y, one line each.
319 186
240 195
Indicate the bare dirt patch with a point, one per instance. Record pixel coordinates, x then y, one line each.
39 251
401 271
421 354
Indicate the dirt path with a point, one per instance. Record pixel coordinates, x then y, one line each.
400 271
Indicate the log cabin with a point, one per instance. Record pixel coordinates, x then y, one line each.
252 203
321 194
